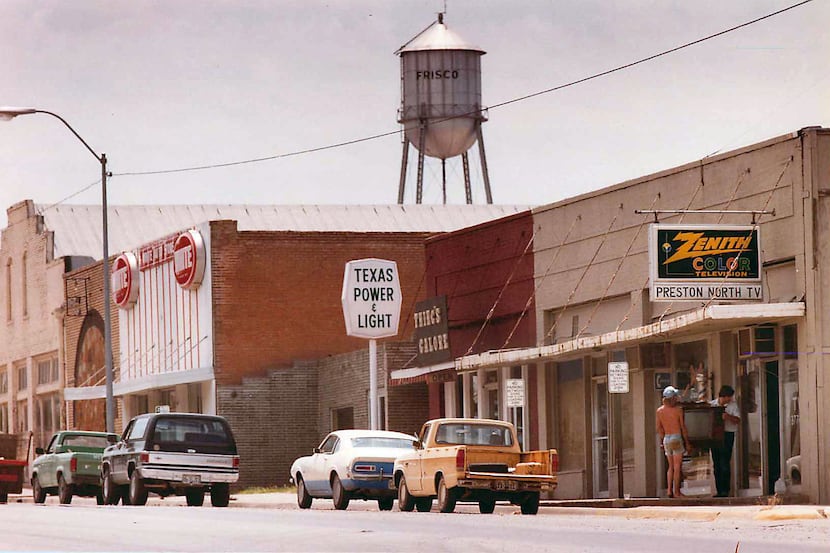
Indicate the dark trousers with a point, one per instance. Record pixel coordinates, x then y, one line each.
721 457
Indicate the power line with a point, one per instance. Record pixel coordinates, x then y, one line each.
495 106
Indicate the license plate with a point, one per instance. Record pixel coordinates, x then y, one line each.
507 485
191 478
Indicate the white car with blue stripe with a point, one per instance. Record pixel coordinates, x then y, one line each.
351 464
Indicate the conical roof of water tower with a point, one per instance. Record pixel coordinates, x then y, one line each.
437 37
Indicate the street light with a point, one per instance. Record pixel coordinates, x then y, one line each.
9 113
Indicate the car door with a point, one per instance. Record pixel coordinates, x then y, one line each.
415 467
46 472
322 463
127 448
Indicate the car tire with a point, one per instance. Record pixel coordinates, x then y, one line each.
304 499
530 504
447 497
220 494
405 500
195 497
109 491
339 495
65 491
486 506
99 498
38 493
138 491
386 503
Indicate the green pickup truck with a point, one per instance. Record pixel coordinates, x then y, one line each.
71 465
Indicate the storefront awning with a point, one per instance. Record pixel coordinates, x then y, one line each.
162 380
441 372
706 319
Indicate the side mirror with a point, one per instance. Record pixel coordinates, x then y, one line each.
112 439
417 444
316 450
39 451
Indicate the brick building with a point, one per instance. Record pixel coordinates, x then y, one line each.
260 337
485 272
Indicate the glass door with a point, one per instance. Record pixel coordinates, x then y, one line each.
599 422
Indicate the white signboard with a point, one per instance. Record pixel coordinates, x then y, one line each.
515 389
618 378
371 298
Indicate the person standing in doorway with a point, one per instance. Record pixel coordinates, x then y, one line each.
722 456
673 436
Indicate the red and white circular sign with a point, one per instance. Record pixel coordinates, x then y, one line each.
189 259
124 279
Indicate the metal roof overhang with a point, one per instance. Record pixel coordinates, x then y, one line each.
706 319
132 386
414 375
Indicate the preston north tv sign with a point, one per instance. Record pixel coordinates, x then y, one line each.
705 262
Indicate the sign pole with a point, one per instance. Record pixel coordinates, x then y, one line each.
373 384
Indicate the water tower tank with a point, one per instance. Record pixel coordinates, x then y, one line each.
440 92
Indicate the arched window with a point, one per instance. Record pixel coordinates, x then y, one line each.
24 286
9 289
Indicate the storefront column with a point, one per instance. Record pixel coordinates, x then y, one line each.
645 466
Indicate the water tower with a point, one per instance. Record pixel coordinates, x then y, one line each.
441 104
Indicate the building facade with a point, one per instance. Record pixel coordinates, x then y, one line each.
594 306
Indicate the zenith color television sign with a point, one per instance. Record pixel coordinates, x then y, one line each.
705 262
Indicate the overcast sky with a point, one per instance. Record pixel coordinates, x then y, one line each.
174 84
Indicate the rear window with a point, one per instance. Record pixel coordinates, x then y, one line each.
203 435
86 441
474 434
374 441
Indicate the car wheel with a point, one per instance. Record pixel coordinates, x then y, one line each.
220 494
38 493
530 504
4 496
304 499
385 503
138 491
405 500
195 497
99 498
486 506
109 491
338 494
64 491
447 497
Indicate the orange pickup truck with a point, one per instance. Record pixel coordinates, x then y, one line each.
472 460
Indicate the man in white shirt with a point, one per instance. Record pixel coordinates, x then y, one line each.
722 456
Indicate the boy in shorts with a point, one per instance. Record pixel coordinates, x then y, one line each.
673 436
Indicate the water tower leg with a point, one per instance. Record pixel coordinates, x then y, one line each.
419 191
465 162
444 179
484 166
404 159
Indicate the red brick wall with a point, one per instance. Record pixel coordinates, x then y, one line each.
276 295
471 267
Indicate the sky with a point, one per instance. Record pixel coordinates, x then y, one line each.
160 85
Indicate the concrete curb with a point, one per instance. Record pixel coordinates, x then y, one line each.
287 501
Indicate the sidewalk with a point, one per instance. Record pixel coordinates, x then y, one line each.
646 508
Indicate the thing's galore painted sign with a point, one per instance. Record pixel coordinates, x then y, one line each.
705 262
371 298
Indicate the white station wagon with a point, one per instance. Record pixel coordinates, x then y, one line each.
351 464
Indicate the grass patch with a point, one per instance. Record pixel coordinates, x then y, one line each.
268 489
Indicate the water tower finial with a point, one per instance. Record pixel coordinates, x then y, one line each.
441 18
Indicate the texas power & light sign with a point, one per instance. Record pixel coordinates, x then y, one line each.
371 298
705 262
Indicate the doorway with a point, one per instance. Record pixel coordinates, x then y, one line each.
599 431
760 427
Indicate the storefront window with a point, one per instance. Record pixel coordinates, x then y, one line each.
691 371
474 395
752 426
791 446
491 395
571 415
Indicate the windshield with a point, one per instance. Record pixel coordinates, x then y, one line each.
474 434
85 441
374 441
